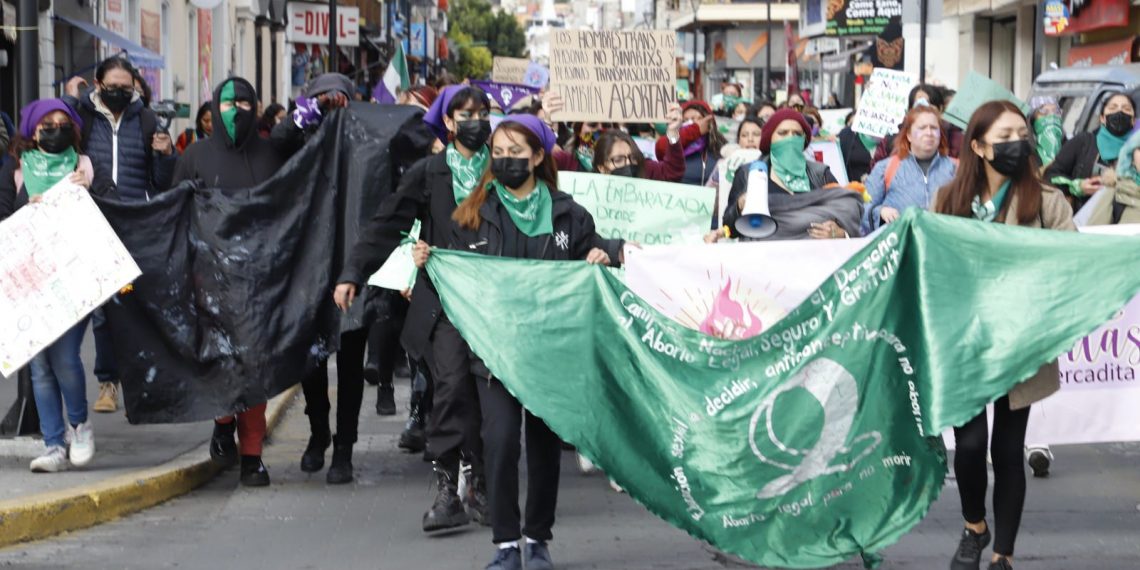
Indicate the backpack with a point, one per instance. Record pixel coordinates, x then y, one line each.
148 121
893 168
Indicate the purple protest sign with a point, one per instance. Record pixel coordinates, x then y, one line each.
505 94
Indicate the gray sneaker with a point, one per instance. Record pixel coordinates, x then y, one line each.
506 559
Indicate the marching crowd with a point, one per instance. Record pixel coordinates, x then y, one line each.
495 191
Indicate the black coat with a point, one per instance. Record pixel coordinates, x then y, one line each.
219 162
1077 159
856 157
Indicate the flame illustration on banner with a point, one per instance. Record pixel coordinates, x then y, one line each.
730 319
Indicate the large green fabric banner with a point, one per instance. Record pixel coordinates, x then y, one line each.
817 440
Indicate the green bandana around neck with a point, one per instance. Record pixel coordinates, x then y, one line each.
534 214
1109 145
42 170
466 172
790 164
988 212
228 116
869 142
1049 136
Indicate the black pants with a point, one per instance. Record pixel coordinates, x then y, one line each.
503 418
1006 449
384 351
453 427
349 391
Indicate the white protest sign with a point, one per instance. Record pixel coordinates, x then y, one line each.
614 76
399 271
884 102
727 171
828 153
834 120
509 70
61 261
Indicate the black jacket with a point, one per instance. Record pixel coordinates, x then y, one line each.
856 157
1076 160
219 162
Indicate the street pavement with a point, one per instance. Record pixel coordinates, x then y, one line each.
1083 517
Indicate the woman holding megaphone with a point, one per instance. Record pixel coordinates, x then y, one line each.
784 195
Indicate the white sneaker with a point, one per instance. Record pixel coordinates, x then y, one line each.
54 461
83 444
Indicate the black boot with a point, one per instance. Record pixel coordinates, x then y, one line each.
371 374
447 510
223 449
475 494
314 457
340 470
386 400
413 439
253 471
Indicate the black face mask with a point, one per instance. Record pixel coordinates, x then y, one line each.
1010 157
511 172
626 171
1118 123
116 99
473 134
56 140
244 123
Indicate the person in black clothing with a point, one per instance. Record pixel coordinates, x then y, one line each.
430 192
856 149
1078 166
234 158
517 211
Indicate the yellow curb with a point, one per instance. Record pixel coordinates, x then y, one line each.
47 514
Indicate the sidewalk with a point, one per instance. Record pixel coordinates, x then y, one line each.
135 467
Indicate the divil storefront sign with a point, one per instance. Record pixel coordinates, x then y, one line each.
1067 17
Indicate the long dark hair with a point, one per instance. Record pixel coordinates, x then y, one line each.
750 119
605 146
467 214
956 198
115 62
268 118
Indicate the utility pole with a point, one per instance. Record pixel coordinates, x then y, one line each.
28 48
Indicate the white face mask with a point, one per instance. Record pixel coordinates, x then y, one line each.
687 123
739 117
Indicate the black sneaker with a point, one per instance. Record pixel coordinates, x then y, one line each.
223 449
1039 459
313 459
253 471
1001 564
371 375
506 559
969 554
538 556
385 401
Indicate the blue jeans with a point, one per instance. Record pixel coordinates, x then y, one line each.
57 372
106 370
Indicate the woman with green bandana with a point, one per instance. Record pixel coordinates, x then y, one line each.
803 195
1047 129
430 191
1121 203
517 211
1078 166
45 153
997 182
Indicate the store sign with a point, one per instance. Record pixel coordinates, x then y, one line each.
1105 53
862 17
1089 15
309 24
1056 19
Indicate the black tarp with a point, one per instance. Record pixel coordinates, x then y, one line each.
234 304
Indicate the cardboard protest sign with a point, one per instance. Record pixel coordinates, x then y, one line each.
61 261
509 69
884 103
646 211
981 90
537 75
615 76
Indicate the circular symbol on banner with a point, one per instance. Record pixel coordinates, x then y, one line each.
835 390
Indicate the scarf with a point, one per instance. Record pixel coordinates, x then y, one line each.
1108 145
585 157
532 215
696 146
1049 135
790 164
988 211
42 170
869 142
465 173
230 114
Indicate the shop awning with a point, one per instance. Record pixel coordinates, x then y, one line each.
726 15
138 55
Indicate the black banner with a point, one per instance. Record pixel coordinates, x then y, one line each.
862 17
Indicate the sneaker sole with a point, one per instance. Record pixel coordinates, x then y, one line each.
455 521
44 470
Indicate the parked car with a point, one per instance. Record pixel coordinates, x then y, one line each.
1081 91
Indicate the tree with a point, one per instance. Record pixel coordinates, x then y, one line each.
473 61
499 32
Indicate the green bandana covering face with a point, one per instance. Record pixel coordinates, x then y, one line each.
586 158
988 211
1108 145
534 214
42 170
1049 135
869 142
465 172
228 115
790 164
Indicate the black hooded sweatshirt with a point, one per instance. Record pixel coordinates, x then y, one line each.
219 162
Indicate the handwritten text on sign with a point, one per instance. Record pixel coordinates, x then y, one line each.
645 211
613 76
884 103
509 70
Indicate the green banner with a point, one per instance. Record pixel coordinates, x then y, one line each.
646 211
817 440
981 90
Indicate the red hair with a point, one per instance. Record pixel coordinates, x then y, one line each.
902 142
